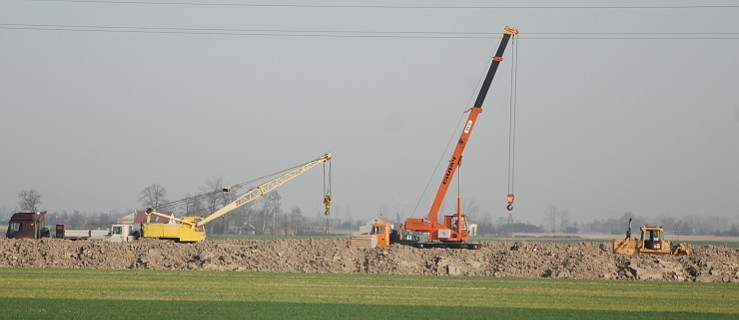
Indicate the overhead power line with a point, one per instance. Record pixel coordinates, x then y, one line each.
377 34
376 6
487 34
233 32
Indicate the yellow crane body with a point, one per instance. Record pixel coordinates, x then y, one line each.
185 231
192 229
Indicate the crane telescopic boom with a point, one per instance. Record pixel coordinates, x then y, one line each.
454 227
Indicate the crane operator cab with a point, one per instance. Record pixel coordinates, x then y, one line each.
454 221
653 241
383 232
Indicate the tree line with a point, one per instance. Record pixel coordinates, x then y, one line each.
559 220
266 216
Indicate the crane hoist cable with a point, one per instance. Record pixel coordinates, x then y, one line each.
452 136
327 188
467 109
232 189
512 127
439 162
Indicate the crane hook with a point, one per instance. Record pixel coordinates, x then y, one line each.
510 197
327 203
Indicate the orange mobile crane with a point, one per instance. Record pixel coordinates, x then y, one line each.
454 232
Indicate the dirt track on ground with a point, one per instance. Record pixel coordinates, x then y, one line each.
583 260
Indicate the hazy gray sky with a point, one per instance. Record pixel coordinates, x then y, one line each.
605 126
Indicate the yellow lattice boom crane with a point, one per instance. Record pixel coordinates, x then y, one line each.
192 228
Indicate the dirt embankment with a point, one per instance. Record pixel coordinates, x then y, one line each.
584 260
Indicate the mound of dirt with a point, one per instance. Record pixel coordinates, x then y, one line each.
583 260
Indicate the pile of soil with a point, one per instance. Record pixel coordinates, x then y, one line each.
583 260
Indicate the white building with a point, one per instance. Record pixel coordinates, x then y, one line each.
368 226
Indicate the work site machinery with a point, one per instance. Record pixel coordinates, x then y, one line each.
651 241
192 229
453 231
31 225
28 225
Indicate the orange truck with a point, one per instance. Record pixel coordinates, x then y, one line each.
383 234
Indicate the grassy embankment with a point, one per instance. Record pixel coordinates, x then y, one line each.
144 294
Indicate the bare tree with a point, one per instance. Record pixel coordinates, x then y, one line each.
153 196
78 220
193 205
471 209
104 220
564 221
213 190
228 197
2 213
212 187
550 217
485 224
240 217
28 200
273 200
297 221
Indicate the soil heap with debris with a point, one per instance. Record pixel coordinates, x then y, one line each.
576 260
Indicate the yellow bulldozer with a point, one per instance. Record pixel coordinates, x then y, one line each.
651 241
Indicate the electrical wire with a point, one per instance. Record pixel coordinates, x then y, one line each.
286 33
374 6
629 38
489 34
376 34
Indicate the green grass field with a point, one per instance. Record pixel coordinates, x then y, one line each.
144 294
